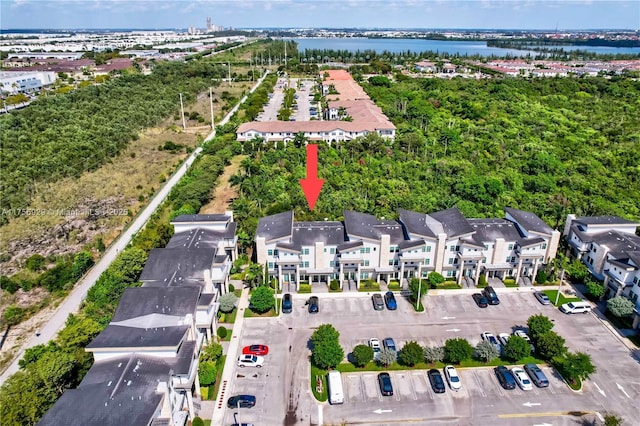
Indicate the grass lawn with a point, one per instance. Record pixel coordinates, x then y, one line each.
369 286
237 276
551 294
213 392
315 373
248 313
447 285
229 318
394 285
227 338
305 288
238 293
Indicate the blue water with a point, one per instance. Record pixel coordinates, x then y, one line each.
396 45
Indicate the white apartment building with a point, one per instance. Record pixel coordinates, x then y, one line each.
365 247
13 82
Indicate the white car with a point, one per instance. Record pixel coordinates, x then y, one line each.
521 378
525 336
503 337
375 345
250 361
452 377
491 339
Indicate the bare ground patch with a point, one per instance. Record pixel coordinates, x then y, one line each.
224 193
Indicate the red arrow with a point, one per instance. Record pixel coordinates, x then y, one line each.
312 185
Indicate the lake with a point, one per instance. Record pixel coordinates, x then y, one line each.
398 45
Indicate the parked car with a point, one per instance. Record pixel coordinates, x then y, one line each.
250 361
287 303
375 345
384 380
503 337
388 343
452 377
521 378
491 339
314 308
525 336
537 376
491 295
242 401
505 377
242 424
480 300
435 378
378 303
576 308
255 350
542 298
390 300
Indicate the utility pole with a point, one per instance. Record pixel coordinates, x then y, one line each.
229 63
559 286
184 123
419 290
285 55
211 105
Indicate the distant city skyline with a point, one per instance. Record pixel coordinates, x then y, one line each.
480 14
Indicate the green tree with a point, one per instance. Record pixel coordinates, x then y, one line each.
13 315
34 353
227 302
197 421
9 284
24 399
416 288
411 354
325 333
207 373
549 345
55 370
211 353
578 271
327 354
81 264
620 306
253 274
387 357
486 351
541 276
433 354
435 279
262 299
457 350
538 324
574 366
612 420
516 348
362 354
595 289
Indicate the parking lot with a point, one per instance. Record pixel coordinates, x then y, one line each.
282 386
304 100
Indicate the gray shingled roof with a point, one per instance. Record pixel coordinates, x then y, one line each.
488 230
529 221
192 218
308 233
275 226
115 336
410 244
415 223
140 301
635 257
603 220
166 264
527 242
454 224
364 225
201 238
619 244
350 245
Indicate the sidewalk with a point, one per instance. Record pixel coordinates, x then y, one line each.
216 411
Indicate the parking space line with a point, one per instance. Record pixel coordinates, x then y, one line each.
413 388
475 376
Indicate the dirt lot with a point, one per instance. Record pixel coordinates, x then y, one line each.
224 193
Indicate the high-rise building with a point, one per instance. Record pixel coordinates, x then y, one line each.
209 29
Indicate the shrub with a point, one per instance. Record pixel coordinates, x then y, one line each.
434 279
457 350
262 299
516 348
362 354
620 306
482 281
411 354
8 284
387 357
538 324
222 332
197 421
335 285
13 315
207 373
213 351
434 353
541 277
595 289
486 351
228 302
231 288
574 367
35 262
550 345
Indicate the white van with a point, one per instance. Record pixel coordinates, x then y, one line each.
576 308
334 382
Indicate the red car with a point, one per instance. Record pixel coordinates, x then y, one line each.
255 350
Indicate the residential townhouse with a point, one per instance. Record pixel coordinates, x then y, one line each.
610 248
145 367
365 247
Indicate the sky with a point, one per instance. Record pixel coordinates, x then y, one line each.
485 14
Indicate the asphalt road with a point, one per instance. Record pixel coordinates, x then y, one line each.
73 301
284 395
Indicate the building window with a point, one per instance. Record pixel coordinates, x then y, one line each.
332 250
306 264
486 246
484 260
427 261
270 265
366 263
390 262
451 259
332 263
275 252
510 247
325 249
270 252
452 248
305 251
544 246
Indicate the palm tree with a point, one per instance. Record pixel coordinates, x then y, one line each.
254 274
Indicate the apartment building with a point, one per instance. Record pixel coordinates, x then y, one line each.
145 367
610 248
365 247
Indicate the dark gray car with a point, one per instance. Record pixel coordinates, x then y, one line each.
378 302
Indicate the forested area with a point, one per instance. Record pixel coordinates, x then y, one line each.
551 146
66 135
